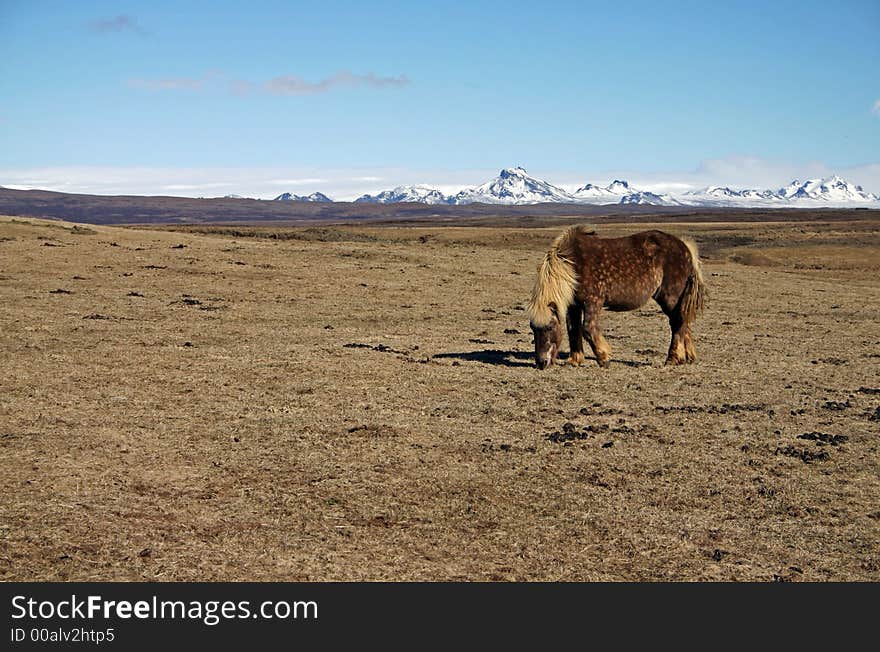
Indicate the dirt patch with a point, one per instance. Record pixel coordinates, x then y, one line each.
803 455
824 438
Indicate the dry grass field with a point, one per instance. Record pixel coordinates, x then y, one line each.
344 403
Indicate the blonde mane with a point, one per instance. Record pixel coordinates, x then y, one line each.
556 282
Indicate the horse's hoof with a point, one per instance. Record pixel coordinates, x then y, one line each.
605 364
576 359
671 361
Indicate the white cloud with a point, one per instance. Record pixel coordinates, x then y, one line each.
664 187
876 108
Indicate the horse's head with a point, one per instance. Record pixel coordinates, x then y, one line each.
548 339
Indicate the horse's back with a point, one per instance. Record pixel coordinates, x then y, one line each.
643 242
672 256
625 272
619 273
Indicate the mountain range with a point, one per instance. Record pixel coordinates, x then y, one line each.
315 196
515 186
418 194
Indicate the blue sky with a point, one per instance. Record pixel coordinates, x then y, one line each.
204 98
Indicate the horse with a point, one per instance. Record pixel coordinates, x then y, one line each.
583 273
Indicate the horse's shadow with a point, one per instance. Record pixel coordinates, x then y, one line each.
494 357
501 358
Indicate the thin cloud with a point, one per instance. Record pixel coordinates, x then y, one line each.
296 85
285 85
196 186
876 108
296 182
241 87
120 23
169 84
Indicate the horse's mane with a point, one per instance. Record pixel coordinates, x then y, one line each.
557 279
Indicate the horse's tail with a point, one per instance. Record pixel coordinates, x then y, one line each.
695 294
555 285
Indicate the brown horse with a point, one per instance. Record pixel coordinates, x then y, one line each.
582 273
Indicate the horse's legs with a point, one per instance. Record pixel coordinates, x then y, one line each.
678 347
690 351
594 334
575 328
681 348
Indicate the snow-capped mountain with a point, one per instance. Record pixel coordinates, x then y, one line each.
620 192
828 192
619 187
830 189
418 194
646 197
725 196
593 194
516 186
721 192
591 190
315 196
758 194
513 186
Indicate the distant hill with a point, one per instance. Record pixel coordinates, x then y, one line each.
101 209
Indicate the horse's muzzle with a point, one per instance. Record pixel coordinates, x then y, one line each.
542 363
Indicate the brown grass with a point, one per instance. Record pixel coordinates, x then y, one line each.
363 406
